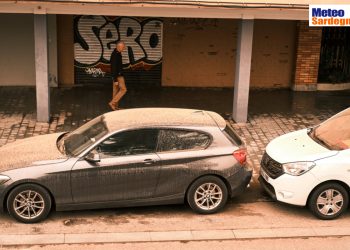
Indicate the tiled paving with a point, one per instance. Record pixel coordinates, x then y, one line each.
262 128
271 113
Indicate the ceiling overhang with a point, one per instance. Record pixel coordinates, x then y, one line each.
184 9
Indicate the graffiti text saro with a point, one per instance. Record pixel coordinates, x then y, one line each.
95 38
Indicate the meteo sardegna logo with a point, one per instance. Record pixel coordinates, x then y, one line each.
329 15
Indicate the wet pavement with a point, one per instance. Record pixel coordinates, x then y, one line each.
271 112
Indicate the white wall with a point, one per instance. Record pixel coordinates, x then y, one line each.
17 50
17 64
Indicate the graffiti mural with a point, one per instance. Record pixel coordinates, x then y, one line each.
95 38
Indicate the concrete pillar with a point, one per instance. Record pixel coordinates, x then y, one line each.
52 43
242 74
41 68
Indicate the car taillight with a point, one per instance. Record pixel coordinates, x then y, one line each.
241 155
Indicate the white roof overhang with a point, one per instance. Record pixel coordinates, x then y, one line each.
248 9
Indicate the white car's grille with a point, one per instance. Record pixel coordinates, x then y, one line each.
271 167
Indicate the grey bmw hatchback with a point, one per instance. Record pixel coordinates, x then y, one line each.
134 157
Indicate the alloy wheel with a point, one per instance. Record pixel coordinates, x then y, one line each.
29 204
208 196
330 202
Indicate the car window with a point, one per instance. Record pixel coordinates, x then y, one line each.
172 140
83 137
232 136
334 132
133 142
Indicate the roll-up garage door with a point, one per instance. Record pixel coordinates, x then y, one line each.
95 38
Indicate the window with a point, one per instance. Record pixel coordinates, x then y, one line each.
133 142
232 136
334 133
83 137
171 140
334 64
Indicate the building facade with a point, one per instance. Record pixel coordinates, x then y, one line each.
206 45
181 52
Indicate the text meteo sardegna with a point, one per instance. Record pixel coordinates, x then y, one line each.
329 17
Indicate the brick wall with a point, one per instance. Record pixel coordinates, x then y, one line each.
308 57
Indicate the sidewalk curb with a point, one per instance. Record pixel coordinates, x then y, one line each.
190 235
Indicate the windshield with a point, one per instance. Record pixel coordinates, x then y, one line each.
335 132
75 142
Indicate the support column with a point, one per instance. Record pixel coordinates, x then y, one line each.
242 74
41 68
52 47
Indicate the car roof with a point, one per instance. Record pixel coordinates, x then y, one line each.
153 117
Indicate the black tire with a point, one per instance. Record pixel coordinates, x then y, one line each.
213 199
29 199
336 202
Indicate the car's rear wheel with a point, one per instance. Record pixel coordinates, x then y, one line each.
207 195
329 201
29 203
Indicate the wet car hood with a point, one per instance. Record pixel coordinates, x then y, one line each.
296 146
30 151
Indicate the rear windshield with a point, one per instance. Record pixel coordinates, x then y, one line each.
232 136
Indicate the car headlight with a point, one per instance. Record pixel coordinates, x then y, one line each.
3 179
298 168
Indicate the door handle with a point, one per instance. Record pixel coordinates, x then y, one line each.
149 161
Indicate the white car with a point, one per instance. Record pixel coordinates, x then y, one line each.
311 167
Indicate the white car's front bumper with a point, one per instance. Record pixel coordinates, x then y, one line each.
289 189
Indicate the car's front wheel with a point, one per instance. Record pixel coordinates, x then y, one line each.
329 201
207 195
29 203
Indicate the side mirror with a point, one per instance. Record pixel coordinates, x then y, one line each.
93 156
